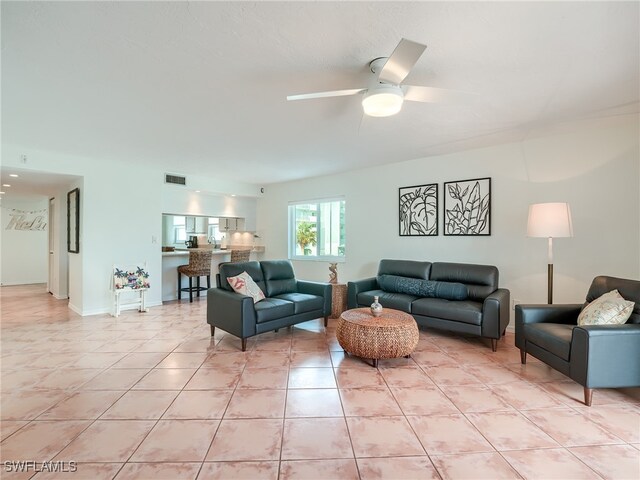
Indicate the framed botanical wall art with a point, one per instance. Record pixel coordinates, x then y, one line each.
73 221
467 207
419 210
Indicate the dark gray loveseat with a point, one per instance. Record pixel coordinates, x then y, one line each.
289 300
484 311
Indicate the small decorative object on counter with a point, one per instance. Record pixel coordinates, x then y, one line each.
333 276
376 308
223 243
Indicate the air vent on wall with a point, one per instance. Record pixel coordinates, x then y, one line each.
175 179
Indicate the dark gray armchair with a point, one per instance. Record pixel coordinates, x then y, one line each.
595 356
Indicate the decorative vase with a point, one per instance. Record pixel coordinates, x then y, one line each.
376 308
333 275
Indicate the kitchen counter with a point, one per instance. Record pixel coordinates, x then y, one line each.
216 251
182 253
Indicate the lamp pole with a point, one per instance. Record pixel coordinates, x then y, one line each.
548 220
550 272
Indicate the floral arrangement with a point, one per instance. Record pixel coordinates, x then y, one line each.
133 279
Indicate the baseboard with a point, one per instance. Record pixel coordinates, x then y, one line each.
102 311
74 308
59 297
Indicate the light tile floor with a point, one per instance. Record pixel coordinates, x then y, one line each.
154 396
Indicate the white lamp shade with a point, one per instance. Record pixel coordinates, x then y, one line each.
549 220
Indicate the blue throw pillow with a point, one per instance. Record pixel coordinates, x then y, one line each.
423 288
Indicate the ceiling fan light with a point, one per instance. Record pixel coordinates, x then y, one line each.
383 101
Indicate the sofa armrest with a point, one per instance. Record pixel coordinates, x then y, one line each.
495 313
354 288
606 356
566 314
232 312
321 289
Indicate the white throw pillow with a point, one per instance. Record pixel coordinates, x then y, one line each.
245 285
608 309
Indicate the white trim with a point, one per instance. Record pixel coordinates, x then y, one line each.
75 309
316 258
338 198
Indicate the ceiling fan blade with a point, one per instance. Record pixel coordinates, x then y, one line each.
435 95
401 61
333 93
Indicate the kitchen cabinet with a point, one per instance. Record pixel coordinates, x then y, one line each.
231 224
195 225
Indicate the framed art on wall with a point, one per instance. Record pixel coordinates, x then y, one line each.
419 210
73 221
467 207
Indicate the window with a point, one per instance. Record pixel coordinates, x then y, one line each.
214 234
179 229
316 230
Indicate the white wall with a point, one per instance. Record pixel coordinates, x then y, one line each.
121 217
24 252
181 201
593 165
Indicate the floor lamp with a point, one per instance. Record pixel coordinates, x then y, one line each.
549 220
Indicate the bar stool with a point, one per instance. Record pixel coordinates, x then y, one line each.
199 266
240 255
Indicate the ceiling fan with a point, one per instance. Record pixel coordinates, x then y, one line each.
385 93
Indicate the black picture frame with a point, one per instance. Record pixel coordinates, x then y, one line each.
418 210
467 207
73 221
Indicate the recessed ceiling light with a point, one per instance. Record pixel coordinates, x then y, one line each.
1 193
233 194
197 191
14 175
6 185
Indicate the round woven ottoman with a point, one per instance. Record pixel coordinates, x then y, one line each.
393 334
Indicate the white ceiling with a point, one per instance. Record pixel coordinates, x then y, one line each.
30 183
200 87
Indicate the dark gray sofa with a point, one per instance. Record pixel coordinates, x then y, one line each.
289 300
595 356
485 311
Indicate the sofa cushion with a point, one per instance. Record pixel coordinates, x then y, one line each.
555 338
303 302
235 269
465 311
272 309
279 277
405 268
629 289
398 301
422 288
608 309
244 285
481 280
